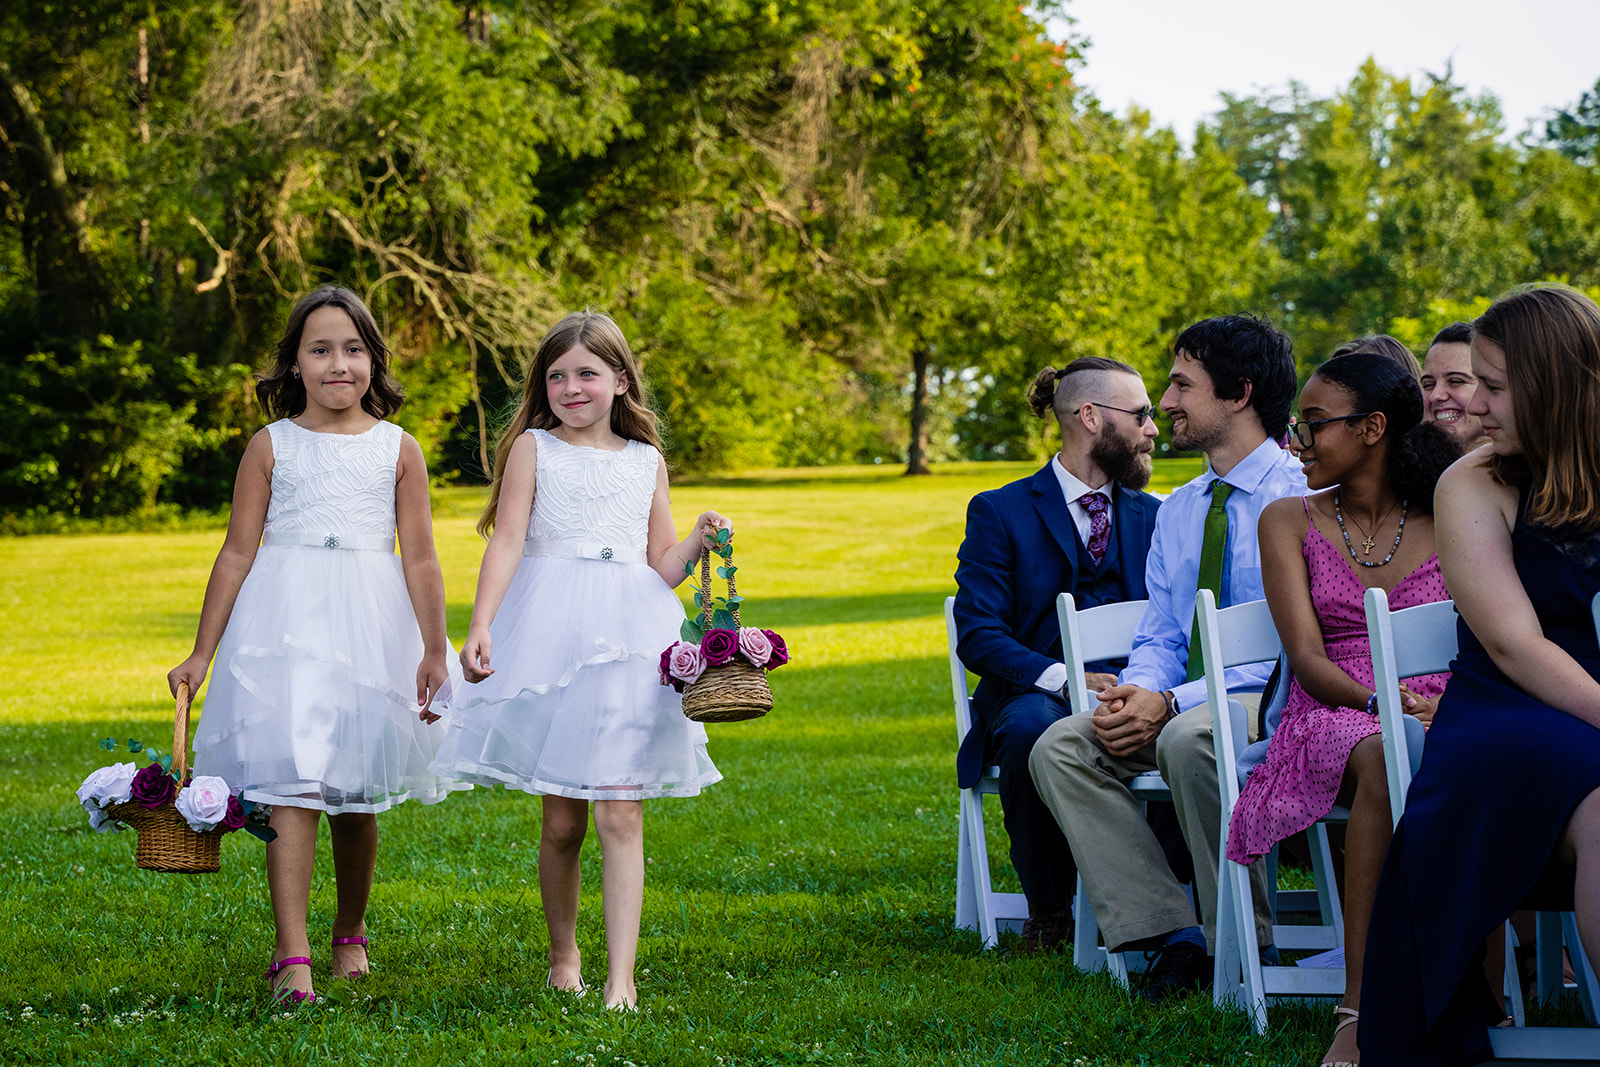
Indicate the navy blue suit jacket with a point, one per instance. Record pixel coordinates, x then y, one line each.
1020 551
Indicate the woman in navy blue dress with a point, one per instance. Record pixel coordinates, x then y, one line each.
1505 808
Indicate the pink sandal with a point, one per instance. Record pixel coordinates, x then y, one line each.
359 939
281 995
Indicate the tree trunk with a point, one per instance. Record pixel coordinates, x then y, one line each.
917 453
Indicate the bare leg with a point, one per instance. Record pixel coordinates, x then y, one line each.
1580 845
560 840
1365 790
355 856
620 824
290 859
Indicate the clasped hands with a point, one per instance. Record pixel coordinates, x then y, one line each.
1128 717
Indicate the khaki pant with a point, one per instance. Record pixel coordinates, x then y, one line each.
1125 873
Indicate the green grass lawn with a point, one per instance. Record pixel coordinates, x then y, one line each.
798 912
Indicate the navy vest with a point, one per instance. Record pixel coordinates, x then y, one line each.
1099 583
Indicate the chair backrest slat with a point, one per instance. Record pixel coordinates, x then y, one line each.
1092 635
1405 643
958 674
1229 637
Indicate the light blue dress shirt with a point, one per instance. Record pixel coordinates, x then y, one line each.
1160 657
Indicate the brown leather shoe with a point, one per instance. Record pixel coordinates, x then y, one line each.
1043 932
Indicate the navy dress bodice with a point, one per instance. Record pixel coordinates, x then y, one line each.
1500 776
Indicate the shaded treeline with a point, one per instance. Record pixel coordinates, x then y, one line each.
835 232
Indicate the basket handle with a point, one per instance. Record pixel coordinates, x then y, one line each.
180 733
705 587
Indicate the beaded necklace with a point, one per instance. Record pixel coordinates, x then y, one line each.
1339 515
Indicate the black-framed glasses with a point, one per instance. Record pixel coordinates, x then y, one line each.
1305 433
1139 414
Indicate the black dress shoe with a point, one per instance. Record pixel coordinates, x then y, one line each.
1043 932
1180 968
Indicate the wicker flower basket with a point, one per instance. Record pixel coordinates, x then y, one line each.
733 691
165 841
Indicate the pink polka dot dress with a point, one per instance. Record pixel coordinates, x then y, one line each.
1297 783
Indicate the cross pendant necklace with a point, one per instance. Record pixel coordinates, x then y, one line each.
1366 546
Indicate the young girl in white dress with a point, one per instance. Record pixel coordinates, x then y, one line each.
321 635
575 599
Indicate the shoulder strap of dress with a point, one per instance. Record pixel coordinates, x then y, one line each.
1305 502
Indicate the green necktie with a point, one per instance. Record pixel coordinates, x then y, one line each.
1213 544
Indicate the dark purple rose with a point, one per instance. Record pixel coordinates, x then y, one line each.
780 651
152 787
234 820
718 646
665 666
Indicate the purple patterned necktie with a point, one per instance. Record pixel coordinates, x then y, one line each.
1099 523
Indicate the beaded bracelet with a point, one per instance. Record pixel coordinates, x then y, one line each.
1372 705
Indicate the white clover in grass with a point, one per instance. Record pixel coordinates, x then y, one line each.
203 803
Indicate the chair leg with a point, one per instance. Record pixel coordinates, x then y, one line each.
1326 873
1087 955
1238 950
1588 992
1513 981
966 890
1547 950
982 886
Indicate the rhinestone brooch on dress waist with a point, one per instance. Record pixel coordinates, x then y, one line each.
605 553
331 541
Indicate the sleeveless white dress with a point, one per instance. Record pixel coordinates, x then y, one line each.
312 698
575 706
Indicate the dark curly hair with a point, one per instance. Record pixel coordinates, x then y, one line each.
1419 451
284 395
1243 350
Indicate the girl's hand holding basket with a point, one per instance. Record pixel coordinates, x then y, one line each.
719 666
180 819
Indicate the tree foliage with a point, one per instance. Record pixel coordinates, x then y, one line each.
833 232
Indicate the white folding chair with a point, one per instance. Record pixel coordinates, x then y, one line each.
1422 640
1089 636
978 906
1230 637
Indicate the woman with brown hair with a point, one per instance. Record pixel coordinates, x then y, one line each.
1506 806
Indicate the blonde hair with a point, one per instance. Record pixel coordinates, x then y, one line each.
1551 338
631 416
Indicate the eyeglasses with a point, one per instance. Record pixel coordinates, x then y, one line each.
1305 433
1139 414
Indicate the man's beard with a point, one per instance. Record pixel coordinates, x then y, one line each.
1121 459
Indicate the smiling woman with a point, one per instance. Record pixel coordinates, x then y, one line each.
1448 383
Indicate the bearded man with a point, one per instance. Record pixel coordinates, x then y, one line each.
1082 525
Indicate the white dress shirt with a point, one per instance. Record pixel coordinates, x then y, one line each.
1160 657
1055 675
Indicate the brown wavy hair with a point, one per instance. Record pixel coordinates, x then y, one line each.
284 396
1551 338
631 416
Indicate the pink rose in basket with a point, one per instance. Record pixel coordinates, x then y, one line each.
153 786
754 645
718 646
780 651
203 803
687 663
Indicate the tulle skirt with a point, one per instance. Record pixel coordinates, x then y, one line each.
575 706
312 698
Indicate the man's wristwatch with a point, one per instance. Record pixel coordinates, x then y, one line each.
1172 704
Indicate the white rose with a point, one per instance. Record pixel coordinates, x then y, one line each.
107 786
203 802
